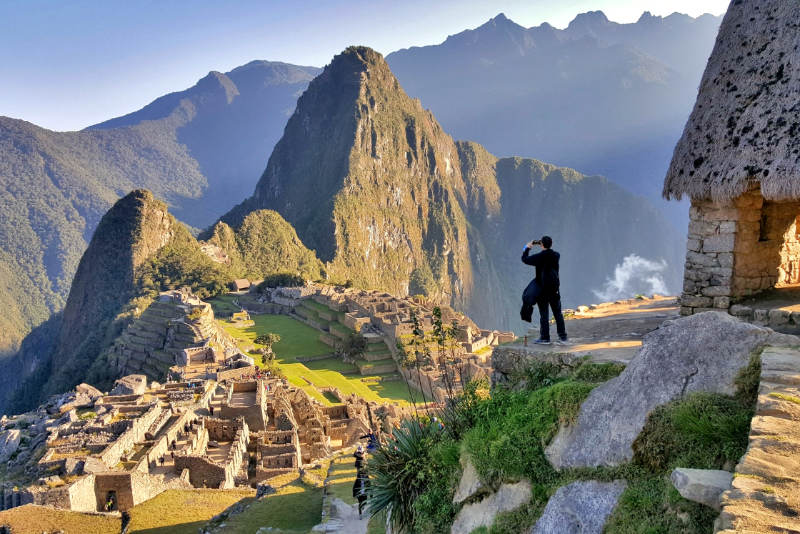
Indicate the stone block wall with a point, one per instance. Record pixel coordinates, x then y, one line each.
739 248
136 433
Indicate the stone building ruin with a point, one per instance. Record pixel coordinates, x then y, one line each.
739 162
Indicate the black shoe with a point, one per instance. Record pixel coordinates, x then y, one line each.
563 341
542 341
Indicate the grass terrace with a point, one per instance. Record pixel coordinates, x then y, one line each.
298 340
32 519
293 509
181 511
223 305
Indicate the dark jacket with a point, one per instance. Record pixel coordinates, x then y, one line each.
546 264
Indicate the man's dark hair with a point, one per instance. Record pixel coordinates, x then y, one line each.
547 241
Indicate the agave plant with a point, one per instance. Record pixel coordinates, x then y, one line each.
399 472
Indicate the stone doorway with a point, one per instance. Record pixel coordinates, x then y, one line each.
767 246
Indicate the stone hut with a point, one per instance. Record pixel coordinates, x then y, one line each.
739 160
240 284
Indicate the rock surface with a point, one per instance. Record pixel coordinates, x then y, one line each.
469 485
766 498
702 352
9 443
130 385
701 485
579 508
482 513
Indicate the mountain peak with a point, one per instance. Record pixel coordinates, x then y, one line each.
218 83
589 20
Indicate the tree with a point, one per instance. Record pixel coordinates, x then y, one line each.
354 346
268 340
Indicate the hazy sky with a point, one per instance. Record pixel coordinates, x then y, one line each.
65 65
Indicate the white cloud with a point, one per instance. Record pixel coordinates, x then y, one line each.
635 275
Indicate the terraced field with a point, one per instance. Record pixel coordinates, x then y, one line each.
299 340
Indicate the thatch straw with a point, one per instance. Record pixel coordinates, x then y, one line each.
745 126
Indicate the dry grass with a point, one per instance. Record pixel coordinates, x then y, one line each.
32 519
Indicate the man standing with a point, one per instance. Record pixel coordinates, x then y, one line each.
546 288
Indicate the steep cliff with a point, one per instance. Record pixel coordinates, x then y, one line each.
370 180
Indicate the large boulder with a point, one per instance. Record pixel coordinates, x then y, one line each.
701 485
579 508
482 513
130 385
90 391
9 443
702 352
469 485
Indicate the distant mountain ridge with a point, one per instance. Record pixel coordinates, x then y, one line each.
598 96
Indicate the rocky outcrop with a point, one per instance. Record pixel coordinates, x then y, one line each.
470 483
702 352
579 508
701 485
130 385
9 443
482 513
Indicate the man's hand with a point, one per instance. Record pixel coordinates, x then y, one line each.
529 244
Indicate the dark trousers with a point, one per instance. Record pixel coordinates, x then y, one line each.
547 301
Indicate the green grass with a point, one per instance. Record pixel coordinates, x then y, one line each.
299 339
341 475
223 305
182 511
294 508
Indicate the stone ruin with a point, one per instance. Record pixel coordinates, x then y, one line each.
107 452
154 341
385 321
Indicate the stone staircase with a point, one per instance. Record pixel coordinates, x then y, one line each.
765 494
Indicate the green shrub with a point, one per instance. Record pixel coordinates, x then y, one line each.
651 505
702 431
282 280
522 421
597 372
401 471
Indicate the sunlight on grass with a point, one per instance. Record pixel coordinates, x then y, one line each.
294 508
31 519
299 339
182 511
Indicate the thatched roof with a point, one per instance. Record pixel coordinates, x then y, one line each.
745 126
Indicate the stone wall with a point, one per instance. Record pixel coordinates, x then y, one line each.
120 483
738 248
135 434
766 485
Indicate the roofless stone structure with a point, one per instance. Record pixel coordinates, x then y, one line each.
739 160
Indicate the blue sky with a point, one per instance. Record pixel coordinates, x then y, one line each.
65 65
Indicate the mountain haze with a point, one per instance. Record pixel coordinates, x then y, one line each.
598 96
199 149
371 181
